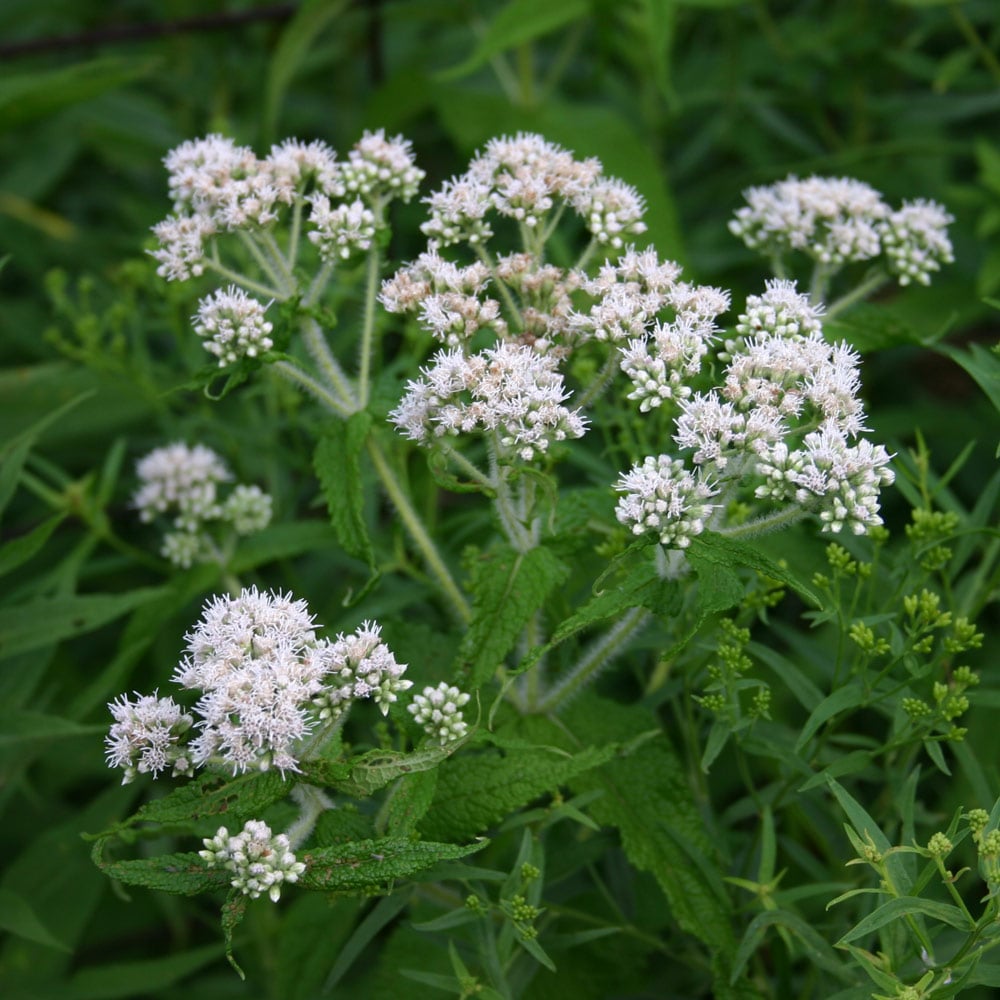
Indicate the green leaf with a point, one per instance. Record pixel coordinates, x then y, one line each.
983 365
373 865
282 541
237 798
383 913
867 829
508 587
180 874
409 802
365 774
518 22
338 468
905 906
849 696
815 948
300 35
233 911
19 550
25 97
711 549
132 979
475 792
40 623
648 799
17 917
31 727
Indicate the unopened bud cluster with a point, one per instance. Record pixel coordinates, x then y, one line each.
260 861
182 483
439 711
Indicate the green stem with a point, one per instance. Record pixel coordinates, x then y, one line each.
317 285
600 382
294 233
319 351
765 525
508 299
264 263
278 260
598 655
313 802
418 532
303 380
871 284
513 525
469 468
266 291
368 330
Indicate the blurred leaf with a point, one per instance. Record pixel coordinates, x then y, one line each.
299 37
981 364
517 22
30 727
29 96
46 621
814 947
133 979
20 550
17 917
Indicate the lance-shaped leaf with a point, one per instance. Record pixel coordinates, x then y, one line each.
373 865
181 874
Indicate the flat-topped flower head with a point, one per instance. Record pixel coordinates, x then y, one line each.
510 390
359 666
832 219
233 325
205 174
250 656
782 311
180 480
297 168
378 167
145 737
260 861
340 231
828 476
915 240
664 499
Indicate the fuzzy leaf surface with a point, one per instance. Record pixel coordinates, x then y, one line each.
374 864
509 588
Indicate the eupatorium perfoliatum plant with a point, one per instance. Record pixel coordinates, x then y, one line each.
587 455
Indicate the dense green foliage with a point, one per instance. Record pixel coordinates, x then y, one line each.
720 783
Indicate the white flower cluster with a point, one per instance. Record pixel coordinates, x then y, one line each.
145 736
786 415
659 353
259 860
233 325
839 220
359 666
665 499
218 187
529 179
510 390
265 681
182 482
439 711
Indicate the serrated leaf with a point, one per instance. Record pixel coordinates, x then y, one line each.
233 911
372 865
477 791
410 800
515 23
364 775
712 549
240 797
179 874
508 587
905 906
39 623
338 467
648 800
